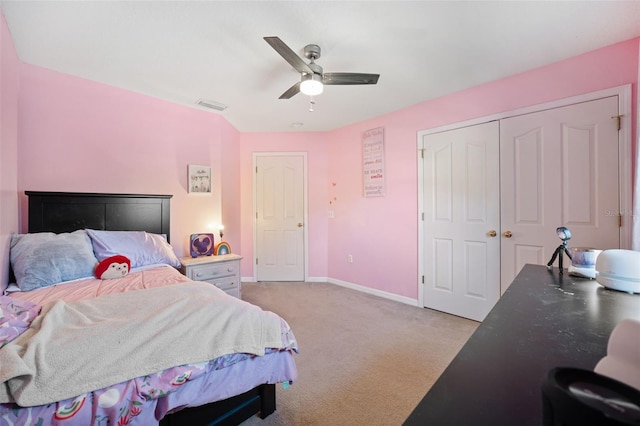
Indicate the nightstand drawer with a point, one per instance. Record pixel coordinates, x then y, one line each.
225 284
209 272
223 271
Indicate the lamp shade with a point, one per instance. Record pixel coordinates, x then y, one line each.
311 84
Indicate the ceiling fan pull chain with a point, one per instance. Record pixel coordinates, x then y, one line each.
311 104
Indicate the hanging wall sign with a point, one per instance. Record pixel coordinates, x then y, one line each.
373 162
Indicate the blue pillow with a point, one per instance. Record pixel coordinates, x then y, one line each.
141 247
43 259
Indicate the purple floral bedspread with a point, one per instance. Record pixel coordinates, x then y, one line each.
141 401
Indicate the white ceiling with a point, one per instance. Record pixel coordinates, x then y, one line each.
183 51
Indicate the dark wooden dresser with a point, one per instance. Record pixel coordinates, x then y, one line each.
544 320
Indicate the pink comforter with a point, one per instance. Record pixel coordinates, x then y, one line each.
92 287
144 400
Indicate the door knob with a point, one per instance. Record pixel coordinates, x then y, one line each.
299 224
507 234
492 233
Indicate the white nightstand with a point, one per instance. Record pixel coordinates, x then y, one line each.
222 271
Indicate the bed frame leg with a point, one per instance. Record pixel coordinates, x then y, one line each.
267 400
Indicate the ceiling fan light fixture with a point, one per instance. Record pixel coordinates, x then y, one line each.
311 84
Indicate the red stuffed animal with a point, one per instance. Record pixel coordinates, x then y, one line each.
113 267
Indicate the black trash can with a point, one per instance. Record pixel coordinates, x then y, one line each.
577 397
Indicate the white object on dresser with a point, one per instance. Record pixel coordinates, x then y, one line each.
222 271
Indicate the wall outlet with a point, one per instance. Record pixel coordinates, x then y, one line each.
350 258
331 215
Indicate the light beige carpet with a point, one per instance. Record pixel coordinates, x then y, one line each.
363 360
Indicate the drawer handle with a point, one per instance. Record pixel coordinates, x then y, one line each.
214 273
229 269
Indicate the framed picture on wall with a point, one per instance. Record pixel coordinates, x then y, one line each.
373 174
199 179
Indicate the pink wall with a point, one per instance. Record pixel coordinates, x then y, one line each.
78 135
9 91
231 192
381 233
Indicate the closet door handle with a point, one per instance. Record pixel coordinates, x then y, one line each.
492 233
507 234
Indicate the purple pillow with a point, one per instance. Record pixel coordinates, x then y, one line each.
142 248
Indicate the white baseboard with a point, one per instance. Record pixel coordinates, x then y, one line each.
379 293
357 287
318 280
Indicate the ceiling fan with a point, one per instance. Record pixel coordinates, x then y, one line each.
312 79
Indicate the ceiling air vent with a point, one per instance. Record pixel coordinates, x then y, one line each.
211 104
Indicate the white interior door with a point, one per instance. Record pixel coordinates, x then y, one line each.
280 217
461 219
559 168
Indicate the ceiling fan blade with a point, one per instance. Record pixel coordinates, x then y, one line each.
344 78
291 91
289 55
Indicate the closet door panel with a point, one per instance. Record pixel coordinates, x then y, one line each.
558 168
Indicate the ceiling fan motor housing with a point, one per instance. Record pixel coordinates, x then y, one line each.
312 51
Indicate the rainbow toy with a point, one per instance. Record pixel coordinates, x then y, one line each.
222 248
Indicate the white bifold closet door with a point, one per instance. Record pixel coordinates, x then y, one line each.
494 194
462 220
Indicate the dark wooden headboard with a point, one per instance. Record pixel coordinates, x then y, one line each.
70 211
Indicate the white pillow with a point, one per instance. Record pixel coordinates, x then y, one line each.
43 259
141 247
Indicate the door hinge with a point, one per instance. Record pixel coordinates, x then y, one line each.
256 215
256 169
423 279
256 260
619 221
422 214
618 119
422 153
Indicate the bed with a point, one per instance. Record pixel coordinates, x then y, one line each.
235 352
